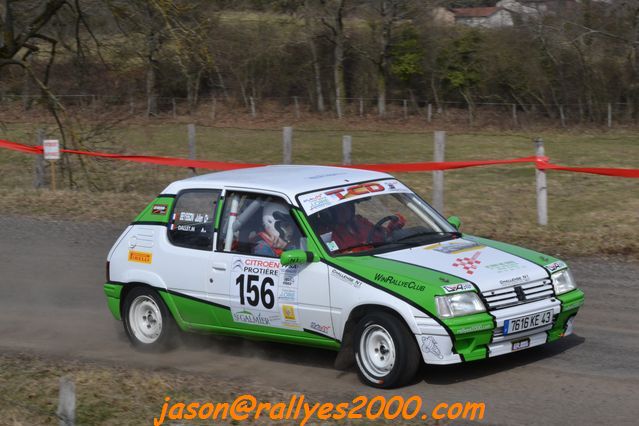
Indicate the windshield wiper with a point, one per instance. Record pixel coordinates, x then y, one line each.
424 234
372 245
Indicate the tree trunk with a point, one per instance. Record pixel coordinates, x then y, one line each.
339 59
381 93
151 74
388 17
339 77
318 76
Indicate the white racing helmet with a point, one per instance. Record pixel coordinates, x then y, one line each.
277 222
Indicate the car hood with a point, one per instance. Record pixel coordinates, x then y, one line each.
477 261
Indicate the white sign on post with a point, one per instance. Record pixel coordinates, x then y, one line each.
51 149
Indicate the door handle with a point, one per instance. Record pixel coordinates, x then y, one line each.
219 266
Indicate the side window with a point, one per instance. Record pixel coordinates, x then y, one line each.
191 224
257 224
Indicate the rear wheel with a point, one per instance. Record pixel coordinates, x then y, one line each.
147 321
386 353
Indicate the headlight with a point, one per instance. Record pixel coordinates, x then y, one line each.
563 281
456 305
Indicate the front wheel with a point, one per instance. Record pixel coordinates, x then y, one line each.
147 321
386 353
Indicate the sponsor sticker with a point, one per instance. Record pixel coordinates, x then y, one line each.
455 247
474 328
288 312
555 266
159 209
500 267
516 280
332 246
468 264
429 346
249 317
521 344
455 288
287 295
140 257
346 278
321 328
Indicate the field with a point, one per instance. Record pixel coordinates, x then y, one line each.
588 215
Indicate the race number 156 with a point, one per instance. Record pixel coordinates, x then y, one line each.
253 292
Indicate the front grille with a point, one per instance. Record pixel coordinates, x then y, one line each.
517 295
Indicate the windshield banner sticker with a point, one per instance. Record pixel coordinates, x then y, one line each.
321 200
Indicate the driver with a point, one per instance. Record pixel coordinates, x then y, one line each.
278 233
353 230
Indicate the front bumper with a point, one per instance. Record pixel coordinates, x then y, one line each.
481 336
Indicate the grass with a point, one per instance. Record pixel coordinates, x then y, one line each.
119 395
588 214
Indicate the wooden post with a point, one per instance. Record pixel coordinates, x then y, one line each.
562 116
609 115
405 106
174 107
438 175
514 110
38 181
191 130
297 107
52 166
252 102
347 145
542 190
287 140
66 402
361 107
429 112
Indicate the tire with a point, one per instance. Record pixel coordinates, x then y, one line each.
386 352
147 321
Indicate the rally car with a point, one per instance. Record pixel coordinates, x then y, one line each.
330 257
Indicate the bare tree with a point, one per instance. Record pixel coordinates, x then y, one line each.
311 37
330 13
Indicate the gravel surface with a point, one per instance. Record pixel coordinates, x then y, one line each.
52 304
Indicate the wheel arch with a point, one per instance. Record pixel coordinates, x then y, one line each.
163 293
360 311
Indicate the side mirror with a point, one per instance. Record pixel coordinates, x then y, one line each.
297 257
455 221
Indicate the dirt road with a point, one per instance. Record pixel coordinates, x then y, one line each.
51 303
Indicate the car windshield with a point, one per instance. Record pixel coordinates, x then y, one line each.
376 221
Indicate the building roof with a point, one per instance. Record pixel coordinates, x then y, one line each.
475 12
287 180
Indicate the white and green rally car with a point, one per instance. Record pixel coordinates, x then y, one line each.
330 257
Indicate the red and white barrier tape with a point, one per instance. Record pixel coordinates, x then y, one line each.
542 163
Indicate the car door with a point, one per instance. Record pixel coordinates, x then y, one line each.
185 251
249 278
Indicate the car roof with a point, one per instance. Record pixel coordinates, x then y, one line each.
289 180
